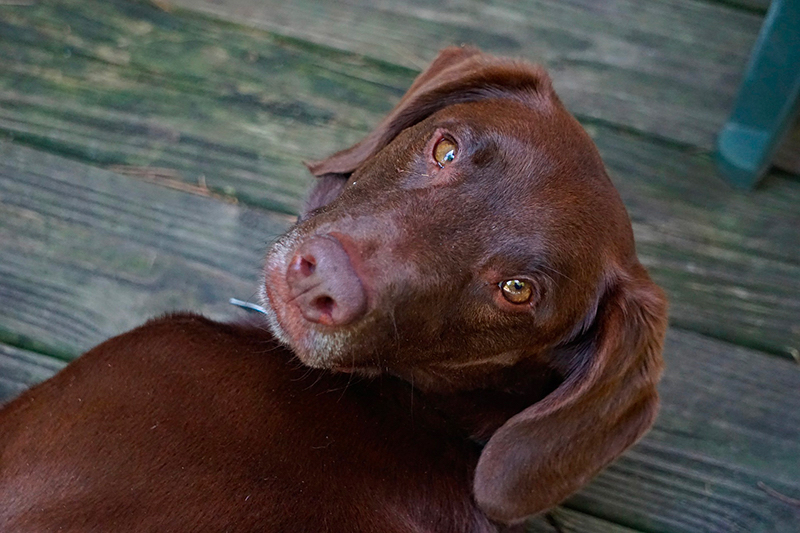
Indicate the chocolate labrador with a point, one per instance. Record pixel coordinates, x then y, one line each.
458 335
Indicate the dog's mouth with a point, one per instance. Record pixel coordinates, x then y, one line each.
368 371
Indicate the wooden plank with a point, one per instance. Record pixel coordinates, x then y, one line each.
88 253
788 156
189 101
661 67
723 454
20 369
572 521
119 83
729 260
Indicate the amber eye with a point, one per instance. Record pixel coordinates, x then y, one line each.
444 151
516 291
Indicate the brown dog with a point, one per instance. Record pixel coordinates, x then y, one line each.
478 341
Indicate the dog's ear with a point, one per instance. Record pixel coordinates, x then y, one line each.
457 75
607 401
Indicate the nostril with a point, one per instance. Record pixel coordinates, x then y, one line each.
303 265
307 265
325 305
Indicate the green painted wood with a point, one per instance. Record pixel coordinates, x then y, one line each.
665 67
768 101
186 100
88 253
20 369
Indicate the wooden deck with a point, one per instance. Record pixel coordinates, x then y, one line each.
150 151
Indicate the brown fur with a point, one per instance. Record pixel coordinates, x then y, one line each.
434 404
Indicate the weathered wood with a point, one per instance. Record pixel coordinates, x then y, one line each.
724 446
20 369
195 101
572 521
788 156
730 261
758 6
88 253
120 83
666 67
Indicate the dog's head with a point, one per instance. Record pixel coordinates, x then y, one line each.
475 229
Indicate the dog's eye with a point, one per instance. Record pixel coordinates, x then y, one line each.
516 291
444 151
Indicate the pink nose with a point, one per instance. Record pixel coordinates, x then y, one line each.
323 283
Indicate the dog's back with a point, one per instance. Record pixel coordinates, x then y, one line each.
185 424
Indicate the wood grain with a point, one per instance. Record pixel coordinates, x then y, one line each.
234 110
120 83
661 67
728 259
20 369
88 253
788 156
572 521
758 6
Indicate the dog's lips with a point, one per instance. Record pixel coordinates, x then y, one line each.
361 370
287 321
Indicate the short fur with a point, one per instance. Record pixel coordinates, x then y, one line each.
430 403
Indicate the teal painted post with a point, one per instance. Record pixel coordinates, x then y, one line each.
768 99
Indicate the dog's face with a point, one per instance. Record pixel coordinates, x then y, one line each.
470 243
476 237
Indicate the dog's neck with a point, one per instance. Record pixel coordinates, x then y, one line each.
481 411
477 412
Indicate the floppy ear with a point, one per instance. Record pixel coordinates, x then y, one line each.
607 401
457 75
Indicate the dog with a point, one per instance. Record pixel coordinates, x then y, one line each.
458 335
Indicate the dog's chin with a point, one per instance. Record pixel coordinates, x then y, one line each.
313 347
328 350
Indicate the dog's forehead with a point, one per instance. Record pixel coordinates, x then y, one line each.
521 151
539 176
535 141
